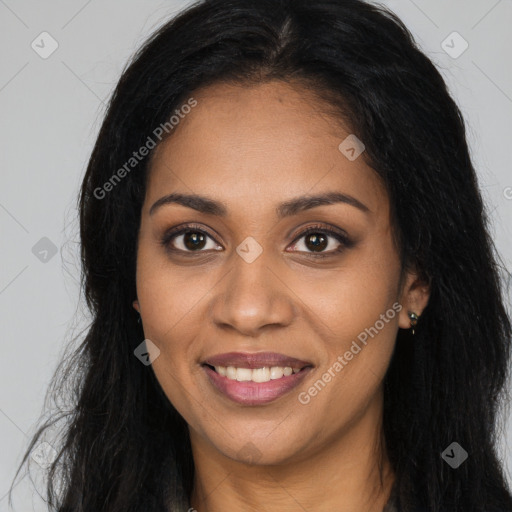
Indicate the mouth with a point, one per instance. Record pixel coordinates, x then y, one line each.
263 374
255 379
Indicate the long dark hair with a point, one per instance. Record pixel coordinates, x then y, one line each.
124 447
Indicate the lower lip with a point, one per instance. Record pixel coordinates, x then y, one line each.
255 393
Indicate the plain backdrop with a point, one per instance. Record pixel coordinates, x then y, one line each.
51 109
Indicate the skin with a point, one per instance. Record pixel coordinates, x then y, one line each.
251 148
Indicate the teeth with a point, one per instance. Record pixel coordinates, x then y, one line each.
264 374
276 372
259 374
243 374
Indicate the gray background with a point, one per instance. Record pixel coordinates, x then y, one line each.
51 110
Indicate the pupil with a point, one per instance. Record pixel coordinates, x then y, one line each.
317 240
193 240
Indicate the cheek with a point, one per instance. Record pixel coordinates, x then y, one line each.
345 303
356 364
170 301
355 310
171 297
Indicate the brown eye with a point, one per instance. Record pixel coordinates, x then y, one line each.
188 239
316 242
318 238
194 240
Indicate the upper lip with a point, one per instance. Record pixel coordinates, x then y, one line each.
255 360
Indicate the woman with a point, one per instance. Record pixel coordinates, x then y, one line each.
282 205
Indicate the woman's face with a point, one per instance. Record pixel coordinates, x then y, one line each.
245 279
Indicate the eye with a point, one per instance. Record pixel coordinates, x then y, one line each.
188 238
316 240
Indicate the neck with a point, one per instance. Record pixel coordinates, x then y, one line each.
351 473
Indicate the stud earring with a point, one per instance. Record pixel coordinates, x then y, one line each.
414 319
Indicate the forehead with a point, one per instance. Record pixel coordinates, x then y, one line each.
259 144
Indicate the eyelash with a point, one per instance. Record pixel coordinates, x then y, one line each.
192 228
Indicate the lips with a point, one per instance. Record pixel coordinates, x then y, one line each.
253 393
256 360
230 374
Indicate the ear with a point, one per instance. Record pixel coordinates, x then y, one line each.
414 297
136 306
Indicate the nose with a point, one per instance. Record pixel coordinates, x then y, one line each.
252 297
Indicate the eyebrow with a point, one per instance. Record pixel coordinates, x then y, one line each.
286 209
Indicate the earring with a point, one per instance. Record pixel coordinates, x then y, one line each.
414 319
139 319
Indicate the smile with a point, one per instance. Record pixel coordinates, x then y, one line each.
255 379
